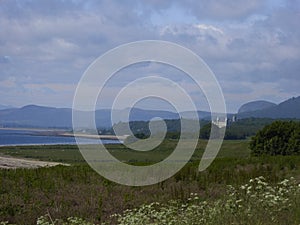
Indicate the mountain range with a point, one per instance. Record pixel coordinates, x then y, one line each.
50 117
5 107
287 109
255 105
46 117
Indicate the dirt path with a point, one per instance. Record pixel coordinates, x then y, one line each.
8 162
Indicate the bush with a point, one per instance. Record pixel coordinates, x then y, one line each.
278 138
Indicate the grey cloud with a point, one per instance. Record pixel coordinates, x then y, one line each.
54 41
216 10
60 41
5 59
223 9
255 53
237 43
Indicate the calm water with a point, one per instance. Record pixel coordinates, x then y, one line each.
26 137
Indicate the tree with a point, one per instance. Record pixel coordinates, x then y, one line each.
278 138
207 128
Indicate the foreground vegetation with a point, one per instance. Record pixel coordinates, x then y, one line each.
62 193
243 204
278 138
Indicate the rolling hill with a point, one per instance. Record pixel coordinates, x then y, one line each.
5 107
255 105
50 117
287 109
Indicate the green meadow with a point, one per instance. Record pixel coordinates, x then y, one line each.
217 195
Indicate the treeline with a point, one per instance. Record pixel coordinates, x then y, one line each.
238 130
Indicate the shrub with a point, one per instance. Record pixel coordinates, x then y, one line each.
278 138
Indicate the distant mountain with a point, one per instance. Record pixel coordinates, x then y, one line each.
5 107
287 109
136 114
255 105
201 115
40 116
36 116
46 117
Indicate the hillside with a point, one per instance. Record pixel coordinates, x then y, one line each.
50 117
255 105
5 107
287 109
36 116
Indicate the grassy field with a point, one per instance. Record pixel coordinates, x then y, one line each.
61 192
71 154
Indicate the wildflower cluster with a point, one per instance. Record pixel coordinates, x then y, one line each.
258 194
46 220
240 203
174 212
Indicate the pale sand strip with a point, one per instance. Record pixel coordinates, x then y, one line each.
95 136
7 162
60 132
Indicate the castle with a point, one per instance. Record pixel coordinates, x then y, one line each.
223 122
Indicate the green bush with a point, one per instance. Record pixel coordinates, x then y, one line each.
278 138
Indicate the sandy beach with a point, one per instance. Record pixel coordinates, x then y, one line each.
7 162
94 136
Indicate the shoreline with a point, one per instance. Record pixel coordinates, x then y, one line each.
95 136
53 144
65 133
9 162
34 129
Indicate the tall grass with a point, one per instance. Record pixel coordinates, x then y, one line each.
77 191
256 202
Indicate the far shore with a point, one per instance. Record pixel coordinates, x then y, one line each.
33 129
94 136
66 133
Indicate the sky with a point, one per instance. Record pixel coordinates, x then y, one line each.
253 47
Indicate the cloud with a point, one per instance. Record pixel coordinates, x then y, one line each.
8 83
211 10
223 9
5 59
54 41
